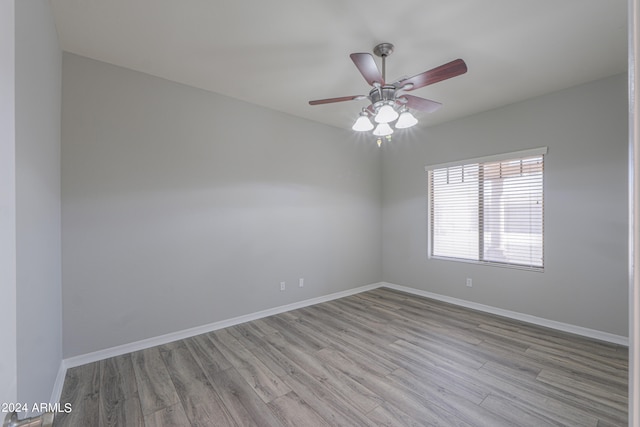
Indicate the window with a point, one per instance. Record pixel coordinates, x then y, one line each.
489 210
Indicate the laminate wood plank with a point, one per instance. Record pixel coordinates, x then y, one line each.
445 384
449 314
432 347
268 385
244 404
611 396
364 311
540 339
557 404
382 357
390 416
155 387
119 400
288 330
354 325
287 315
273 360
414 405
367 351
82 390
409 355
248 334
609 352
126 412
315 391
517 416
438 379
604 423
171 416
384 312
429 328
551 410
384 298
493 349
343 386
262 328
441 372
427 350
362 357
207 354
334 409
360 336
453 403
120 369
349 314
493 338
602 369
294 412
201 403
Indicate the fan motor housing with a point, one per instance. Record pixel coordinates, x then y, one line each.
381 94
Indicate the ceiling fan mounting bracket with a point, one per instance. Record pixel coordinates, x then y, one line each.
383 50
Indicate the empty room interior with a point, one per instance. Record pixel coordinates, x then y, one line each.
196 232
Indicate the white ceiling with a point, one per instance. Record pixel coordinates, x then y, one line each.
282 53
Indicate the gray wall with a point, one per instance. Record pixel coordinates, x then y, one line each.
177 212
38 215
8 362
182 207
585 278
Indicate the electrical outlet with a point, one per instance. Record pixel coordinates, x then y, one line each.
469 282
283 286
301 282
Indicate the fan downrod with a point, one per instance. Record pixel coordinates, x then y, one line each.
383 50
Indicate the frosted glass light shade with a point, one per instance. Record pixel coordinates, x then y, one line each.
362 124
406 120
386 114
383 129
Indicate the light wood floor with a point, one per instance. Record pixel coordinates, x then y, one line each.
377 358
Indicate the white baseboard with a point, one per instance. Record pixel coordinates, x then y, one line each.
57 386
565 327
187 333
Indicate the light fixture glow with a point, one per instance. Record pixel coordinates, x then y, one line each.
362 123
390 114
406 120
386 114
383 129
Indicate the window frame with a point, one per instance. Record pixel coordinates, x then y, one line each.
511 156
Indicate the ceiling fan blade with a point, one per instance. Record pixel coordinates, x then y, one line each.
368 68
435 75
341 99
421 104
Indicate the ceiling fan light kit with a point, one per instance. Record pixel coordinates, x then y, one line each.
362 123
406 119
385 113
389 103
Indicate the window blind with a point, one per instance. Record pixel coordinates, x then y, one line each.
489 211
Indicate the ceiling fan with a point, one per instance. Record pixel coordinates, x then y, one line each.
389 101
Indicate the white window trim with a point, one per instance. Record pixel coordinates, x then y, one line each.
493 158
